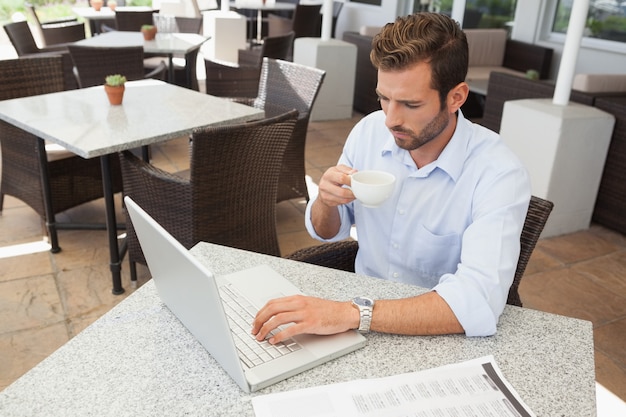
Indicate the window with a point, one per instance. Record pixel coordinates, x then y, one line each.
606 19
477 13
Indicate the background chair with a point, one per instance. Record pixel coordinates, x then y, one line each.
276 47
341 255
185 72
25 46
92 64
133 20
305 22
230 196
287 85
57 31
241 82
49 180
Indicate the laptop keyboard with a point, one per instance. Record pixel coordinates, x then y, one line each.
240 315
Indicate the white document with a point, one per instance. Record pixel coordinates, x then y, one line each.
471 388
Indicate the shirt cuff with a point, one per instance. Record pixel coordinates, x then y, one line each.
469 306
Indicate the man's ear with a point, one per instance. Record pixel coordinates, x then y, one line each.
457 96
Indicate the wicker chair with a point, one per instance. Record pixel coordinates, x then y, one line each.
133 20
276 47
305 22
229 198
25 46
59 31
286 85
48 181
342 255
241 81
93 63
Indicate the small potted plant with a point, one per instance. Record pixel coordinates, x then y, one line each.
149 32
114 87
97 4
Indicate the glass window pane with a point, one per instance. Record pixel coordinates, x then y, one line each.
606 19
478 13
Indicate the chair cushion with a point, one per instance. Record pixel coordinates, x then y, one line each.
486 47
369 30
600 83
155 61
57 152
482 73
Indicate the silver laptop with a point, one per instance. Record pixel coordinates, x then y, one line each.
218 310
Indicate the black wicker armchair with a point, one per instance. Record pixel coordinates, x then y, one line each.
49 182
229 197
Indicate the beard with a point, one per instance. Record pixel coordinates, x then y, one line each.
433 129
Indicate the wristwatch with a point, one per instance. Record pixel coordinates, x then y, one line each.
366 308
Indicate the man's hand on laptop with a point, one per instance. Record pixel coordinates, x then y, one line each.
306 314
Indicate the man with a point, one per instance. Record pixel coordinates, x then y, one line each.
454 221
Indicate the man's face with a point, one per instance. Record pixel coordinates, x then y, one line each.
412 108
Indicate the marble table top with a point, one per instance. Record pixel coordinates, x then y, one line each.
163 43
83 121
138 359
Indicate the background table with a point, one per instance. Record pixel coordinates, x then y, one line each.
260 8
93 18
163 44
138 359
83 122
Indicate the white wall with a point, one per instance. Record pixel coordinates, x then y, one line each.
355 15
530 26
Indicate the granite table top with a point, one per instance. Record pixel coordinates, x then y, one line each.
83 121
138 359
163 43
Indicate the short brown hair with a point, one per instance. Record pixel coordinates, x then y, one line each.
424 37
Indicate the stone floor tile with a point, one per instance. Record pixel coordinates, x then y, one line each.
29 303
610 339
572 294
610 375
87 291
19 223
24 349
17 267
576 247
540 261
608 271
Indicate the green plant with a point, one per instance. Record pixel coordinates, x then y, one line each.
147 27
115 80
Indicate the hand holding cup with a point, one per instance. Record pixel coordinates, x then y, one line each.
372 188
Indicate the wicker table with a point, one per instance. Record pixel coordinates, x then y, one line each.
139 360
83 122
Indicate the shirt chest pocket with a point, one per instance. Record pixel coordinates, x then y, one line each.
434 255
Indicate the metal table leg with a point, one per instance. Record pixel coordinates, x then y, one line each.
115 262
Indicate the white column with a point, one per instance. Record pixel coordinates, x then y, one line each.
567 67
327 20
338 59
564 149
227 34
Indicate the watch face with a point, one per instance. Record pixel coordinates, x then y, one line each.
362 301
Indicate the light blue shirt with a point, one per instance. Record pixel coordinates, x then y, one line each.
453 225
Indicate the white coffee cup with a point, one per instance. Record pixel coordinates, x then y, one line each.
372 188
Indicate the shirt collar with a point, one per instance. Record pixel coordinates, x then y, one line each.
450 160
